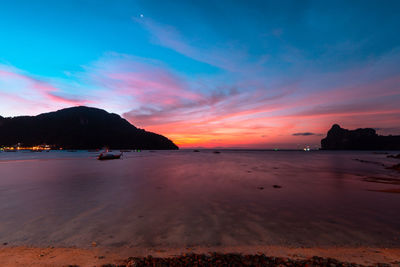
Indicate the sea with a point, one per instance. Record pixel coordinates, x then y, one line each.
184 198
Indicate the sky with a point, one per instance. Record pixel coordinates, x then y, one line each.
234 74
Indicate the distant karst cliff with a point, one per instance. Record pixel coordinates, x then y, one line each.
79 128
359 139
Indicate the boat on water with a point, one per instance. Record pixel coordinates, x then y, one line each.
107 156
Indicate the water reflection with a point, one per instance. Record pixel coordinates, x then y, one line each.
180 198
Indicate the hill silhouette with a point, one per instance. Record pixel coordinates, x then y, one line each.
359 139
79 128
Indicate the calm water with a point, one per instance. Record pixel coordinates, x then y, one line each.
182 198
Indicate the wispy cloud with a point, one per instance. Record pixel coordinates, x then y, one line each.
226 56
30 93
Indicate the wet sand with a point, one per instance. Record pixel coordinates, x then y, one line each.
31 256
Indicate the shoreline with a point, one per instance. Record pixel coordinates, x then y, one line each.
98 256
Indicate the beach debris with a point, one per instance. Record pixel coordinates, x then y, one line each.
132 263
94 244
233 259
276 186
260 188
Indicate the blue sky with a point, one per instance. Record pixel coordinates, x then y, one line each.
207 73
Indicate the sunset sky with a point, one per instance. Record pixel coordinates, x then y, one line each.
250 74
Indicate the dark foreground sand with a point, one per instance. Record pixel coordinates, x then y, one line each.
33 256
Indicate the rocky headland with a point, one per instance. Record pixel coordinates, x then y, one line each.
359 139
78 128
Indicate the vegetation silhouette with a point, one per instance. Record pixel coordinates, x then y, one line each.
79 128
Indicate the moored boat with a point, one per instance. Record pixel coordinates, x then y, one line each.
106 156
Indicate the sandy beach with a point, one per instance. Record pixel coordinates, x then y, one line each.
46 257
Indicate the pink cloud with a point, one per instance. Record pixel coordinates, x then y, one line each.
143 82
31 94
153 87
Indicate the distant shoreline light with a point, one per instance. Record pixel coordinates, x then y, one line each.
19 147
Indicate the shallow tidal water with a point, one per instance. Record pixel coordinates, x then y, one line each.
183 199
